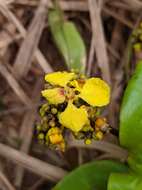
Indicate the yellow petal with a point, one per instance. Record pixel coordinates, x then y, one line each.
73 118
96 92
54 96
78 84
59 78
55 135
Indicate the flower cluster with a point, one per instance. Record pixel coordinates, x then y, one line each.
73 103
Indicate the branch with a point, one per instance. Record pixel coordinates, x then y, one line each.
37 166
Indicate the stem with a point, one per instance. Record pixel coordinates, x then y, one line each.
103 146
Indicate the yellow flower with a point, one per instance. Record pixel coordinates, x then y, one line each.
59 78
96 92
54 96
55 136
73 118
77 84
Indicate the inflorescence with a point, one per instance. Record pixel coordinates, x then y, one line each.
73 104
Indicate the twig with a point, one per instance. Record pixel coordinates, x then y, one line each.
6 182
117 34
92 52
135 4
26 132
113 52
6 2
120 5
92 47
15 85
82 6
91 56
37 166
37 184
106 156
121 19
39 56
24 59
100 44
103 146
8 40
70 5
80 156
19 109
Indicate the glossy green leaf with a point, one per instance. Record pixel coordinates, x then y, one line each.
124 182
131 120
68 41
135 161
131 112
91 176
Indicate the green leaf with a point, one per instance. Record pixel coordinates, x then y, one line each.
68 41
135 161
131 112
124 182
91 176
131 120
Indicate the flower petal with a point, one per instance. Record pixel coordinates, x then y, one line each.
96 92
59 78
78 84
73 118
55 136
54 96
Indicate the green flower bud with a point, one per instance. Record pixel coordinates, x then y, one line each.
40 136
54 110
44 108
52 123
38 127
